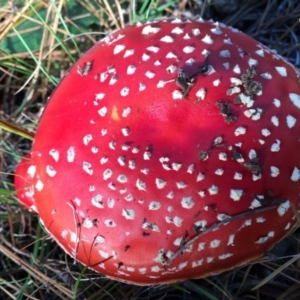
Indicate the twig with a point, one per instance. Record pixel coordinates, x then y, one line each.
216 226
77 224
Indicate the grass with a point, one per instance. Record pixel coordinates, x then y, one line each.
32 266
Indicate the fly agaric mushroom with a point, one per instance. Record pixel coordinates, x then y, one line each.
170 151
22 182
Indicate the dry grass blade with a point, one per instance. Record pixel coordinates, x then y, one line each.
289 291
16 130
297 214
286 33
50 283
109 11
6 291
15 19
277 272
13 287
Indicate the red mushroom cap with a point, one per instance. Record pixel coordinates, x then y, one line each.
170 151
22 182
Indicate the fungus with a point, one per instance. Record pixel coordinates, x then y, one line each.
22 181
170 151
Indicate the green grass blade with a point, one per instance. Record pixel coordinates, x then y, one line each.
144 7
55 36
34 58
133 7
64 24
180 288
166 5
149 9
77 283
15 58
5 193
202 291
